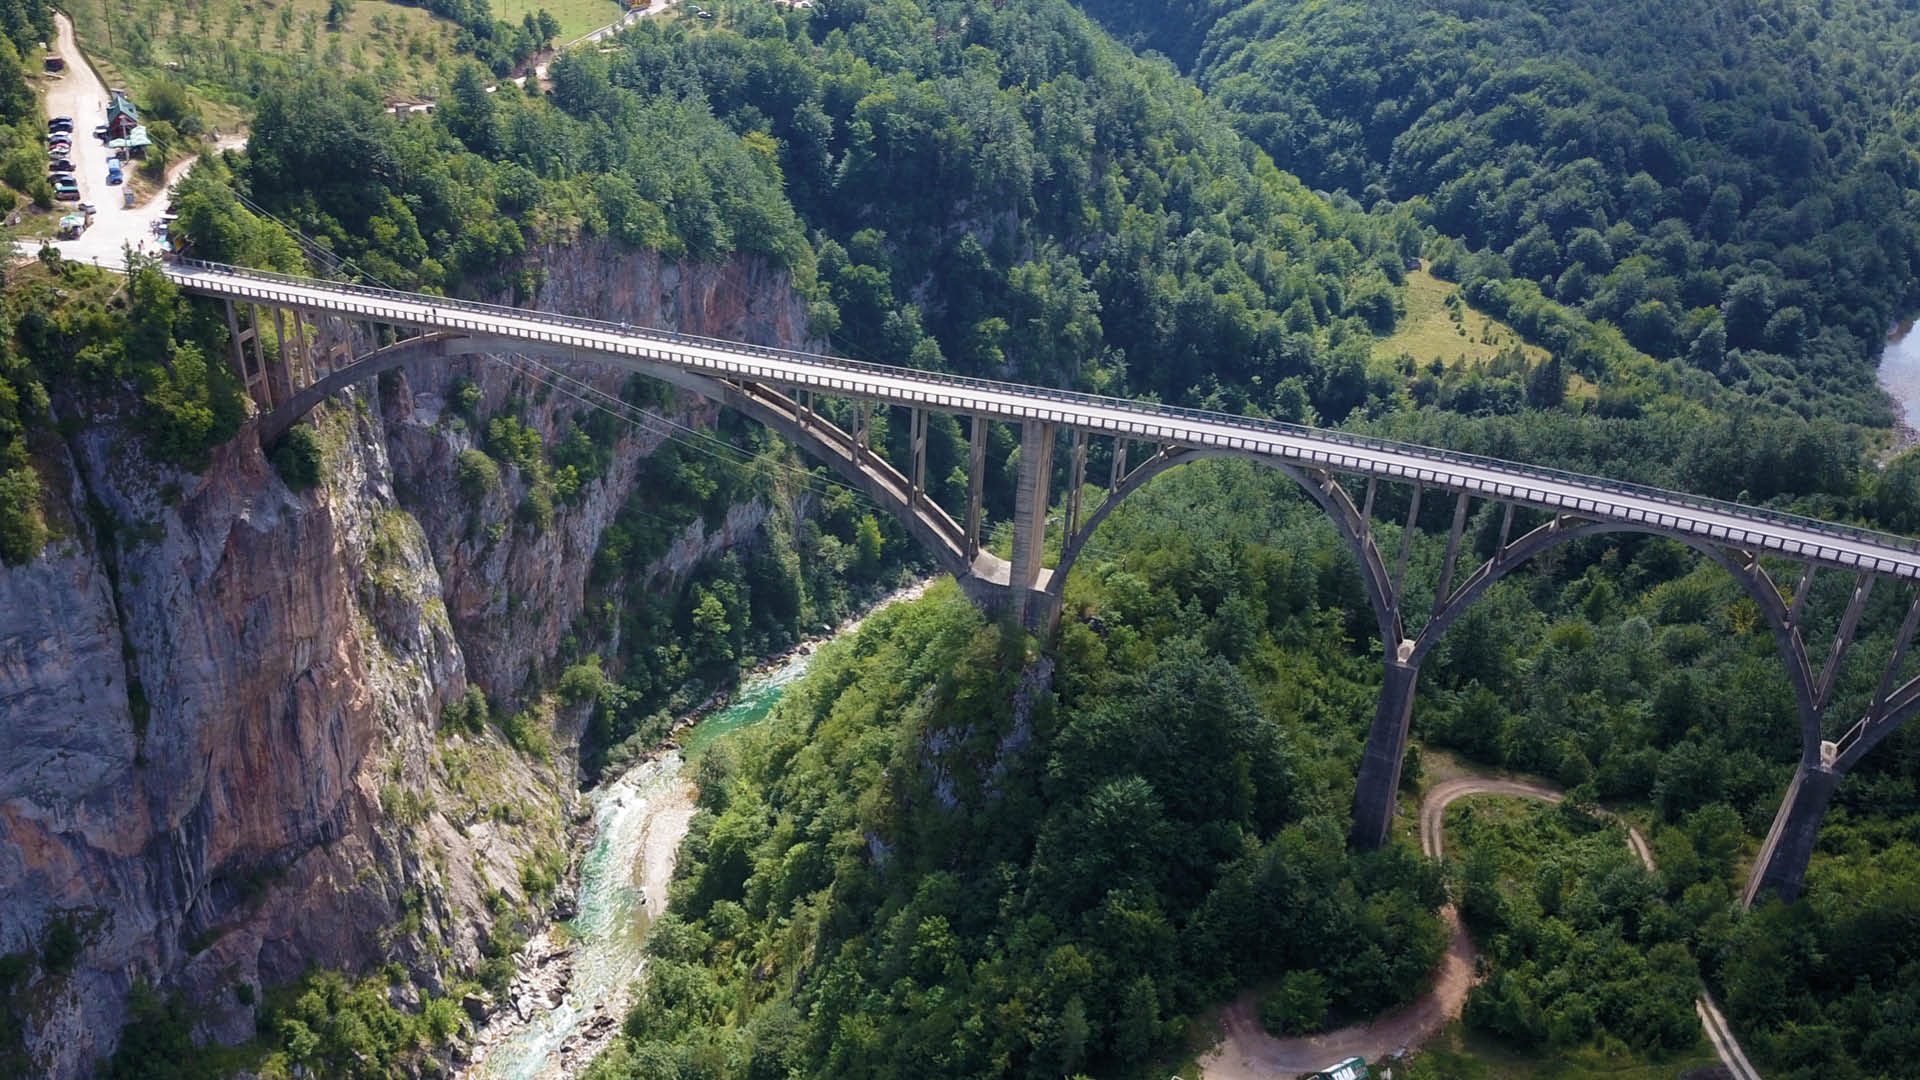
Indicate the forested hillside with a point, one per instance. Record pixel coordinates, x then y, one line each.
1731 185
996 188
933 865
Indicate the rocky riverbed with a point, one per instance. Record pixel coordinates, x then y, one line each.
574 981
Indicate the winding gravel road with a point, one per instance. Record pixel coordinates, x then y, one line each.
1247 1052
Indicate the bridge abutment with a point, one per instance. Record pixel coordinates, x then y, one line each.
1379 782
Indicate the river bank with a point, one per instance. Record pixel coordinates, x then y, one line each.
1899 376
574 981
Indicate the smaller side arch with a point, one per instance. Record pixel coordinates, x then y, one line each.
1322 488
1752 578
865 471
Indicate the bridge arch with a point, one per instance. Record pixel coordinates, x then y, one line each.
866 471
1323 489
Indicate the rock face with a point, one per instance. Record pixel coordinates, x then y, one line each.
218 755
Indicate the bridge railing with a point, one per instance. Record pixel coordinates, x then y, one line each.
443 312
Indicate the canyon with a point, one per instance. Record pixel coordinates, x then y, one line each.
220 755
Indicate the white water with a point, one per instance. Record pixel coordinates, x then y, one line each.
1900 374
638 822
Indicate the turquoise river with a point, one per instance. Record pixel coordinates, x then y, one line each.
638 821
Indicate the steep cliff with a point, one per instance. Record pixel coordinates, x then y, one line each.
219 761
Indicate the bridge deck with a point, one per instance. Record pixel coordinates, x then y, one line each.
1711 520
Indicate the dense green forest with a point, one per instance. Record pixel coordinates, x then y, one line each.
1731 185
934 865
926 864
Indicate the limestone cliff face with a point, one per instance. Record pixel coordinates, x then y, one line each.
219 698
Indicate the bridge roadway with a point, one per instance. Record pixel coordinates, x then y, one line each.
1730 524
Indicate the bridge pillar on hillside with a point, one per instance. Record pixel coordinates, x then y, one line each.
976 482
1782 865
279 375
917 454
250 375
1378 785
1030 522
1077 480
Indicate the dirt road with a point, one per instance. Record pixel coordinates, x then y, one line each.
1247 1052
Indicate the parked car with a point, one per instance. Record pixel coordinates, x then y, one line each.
59 146
114 174
1352 1068
66 190
100 133
60 165
60 123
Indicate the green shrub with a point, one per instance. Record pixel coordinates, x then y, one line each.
525 733
582 682
23 531
297 459
537 508
60 949
477 473
468 712
1298 1006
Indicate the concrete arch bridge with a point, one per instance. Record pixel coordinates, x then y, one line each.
784 389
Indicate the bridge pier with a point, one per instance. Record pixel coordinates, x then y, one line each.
1378 786
976 483
1030 521
1781 867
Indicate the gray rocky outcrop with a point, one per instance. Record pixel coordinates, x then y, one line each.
219 697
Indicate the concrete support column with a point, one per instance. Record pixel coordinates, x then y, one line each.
235 352
976 483
917 452
280 374
1379 783
1079 480
1782 866
1440 592
308 371
260 360
1030 512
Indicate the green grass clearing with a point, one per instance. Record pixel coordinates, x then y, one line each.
1441 325
1459 1053
576 17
